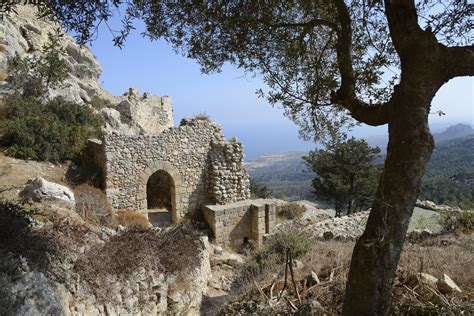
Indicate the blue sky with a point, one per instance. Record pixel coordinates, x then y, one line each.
229 97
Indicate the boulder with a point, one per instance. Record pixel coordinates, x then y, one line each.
312 279
39 189
427 279
446 285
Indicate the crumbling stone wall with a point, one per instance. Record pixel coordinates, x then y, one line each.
187 153
234 223
229 180
150 113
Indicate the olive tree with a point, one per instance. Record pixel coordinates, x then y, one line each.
330 63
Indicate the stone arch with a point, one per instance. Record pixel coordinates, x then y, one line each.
175 175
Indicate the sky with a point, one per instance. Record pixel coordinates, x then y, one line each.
229 97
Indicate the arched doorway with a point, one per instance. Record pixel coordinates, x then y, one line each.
160 198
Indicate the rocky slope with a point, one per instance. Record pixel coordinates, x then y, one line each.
24 34
53 263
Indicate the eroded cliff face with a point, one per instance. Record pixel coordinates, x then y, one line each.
24 34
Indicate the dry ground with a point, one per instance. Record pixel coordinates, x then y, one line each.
14 173
451 254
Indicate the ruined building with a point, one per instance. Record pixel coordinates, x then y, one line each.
169 172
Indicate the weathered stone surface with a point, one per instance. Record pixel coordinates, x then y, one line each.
24 33
39 189
446 285
236 223
190 154
149 113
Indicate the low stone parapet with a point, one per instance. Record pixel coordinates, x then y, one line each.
236 223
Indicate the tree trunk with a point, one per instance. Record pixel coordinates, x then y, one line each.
377 252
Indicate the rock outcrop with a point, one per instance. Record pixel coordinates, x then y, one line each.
39 189
56 268
25 34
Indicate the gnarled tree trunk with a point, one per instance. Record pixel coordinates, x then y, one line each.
377 252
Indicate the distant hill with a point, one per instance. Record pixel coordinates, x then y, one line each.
452 132
449 177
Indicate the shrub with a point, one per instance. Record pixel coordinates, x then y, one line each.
93 206
133 220
56 130
291 210
453 221
298 241
99 103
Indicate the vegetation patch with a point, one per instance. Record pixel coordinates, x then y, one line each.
92 205
133 220
56 130
291 211
458 221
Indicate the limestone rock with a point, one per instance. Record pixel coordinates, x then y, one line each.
312 279
39 189
113 123
446 285
427 279
24 33
151 114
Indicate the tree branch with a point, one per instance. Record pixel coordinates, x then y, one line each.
310 24
458 61
346 96
402 22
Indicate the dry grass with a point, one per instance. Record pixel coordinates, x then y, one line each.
123 255
202 117
291 210
92 205
330 260
133 220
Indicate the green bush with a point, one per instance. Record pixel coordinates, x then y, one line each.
291 210
274 248
56 130
454 221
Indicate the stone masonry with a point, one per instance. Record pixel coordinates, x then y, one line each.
202 166
235 223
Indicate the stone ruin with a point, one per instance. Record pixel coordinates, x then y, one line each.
170 172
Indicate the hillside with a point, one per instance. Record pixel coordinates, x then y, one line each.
449 177
452 132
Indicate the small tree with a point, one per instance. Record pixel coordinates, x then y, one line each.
345 174
33 76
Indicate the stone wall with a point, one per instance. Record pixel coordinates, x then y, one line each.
234 223
150 113
229 180
187 153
